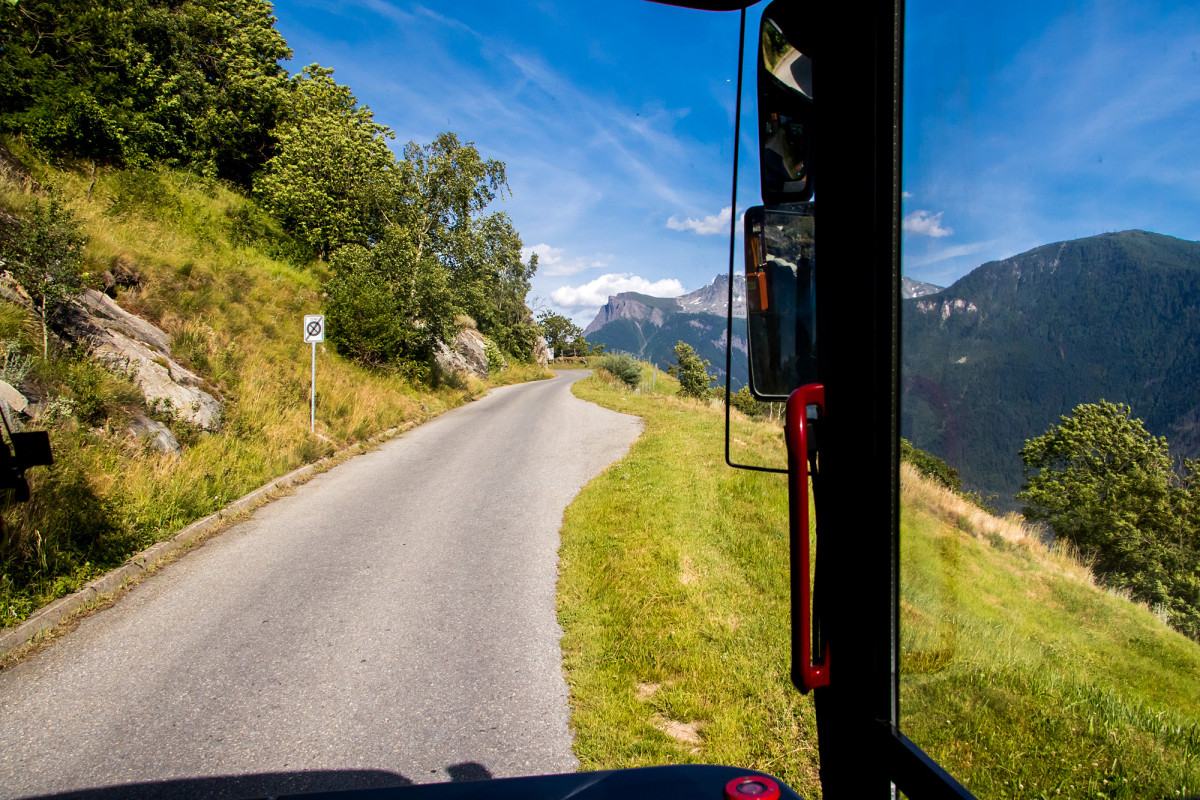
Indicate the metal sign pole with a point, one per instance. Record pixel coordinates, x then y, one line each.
314 333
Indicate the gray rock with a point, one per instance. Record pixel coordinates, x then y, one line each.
131 346
102 308
13 398
541 353
159 435
466 354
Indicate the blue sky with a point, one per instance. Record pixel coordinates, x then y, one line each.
1025 123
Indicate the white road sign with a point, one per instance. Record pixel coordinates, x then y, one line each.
314 328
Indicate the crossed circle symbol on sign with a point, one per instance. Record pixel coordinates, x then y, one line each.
314 328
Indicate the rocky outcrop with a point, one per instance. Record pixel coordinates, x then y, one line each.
631 305
12 398
541 353
714 298
468 353
131 346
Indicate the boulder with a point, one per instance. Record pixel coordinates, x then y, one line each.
12 398
158 435
467 354
541 353
131 346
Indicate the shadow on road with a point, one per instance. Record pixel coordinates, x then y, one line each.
267 784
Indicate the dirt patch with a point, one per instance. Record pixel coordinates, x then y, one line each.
687 571
684 732
646 690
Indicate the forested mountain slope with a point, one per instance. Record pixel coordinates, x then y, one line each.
997 357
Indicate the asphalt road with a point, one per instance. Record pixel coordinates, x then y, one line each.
392 621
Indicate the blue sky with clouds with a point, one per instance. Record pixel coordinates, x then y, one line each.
1025 123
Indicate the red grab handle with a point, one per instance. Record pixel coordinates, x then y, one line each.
806 674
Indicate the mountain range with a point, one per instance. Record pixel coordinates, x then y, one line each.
997 357
650 327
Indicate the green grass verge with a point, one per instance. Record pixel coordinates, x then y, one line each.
673 603
1019 674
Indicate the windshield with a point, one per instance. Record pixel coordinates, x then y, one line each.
1050 612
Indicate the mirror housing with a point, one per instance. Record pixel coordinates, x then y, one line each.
780 300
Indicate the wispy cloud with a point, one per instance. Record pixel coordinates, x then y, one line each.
925 223
553 261
596 293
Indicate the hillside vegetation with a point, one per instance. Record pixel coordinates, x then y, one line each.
1019 673
213 271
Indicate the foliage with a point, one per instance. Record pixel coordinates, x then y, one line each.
931 466
691 371
330 180
1106 485
564 337
386 305
743 400
184 83
43 256
622 367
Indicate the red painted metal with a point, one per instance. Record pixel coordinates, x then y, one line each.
805 674
752 787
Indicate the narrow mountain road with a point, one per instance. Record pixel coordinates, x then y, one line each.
392 621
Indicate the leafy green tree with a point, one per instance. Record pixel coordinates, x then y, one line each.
332 176
692 372
386 307
743 400
43 256
196 82
1101 481
564 337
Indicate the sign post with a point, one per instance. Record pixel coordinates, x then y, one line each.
314 333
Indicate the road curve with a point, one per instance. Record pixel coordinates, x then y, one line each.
392 621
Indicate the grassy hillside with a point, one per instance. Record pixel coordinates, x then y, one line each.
1019 674
219 277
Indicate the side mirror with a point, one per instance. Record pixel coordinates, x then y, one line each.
780 300
785 107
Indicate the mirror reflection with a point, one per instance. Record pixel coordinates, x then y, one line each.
780 300
785 117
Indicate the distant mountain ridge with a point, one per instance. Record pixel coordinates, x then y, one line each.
998 356
710 299
650 327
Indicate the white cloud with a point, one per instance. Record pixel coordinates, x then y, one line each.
553 261
714 223
906 195
925 223
596 293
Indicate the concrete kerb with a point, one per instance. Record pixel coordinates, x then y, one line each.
49 616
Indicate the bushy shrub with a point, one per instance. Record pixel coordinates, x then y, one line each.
744 402
621 367
931 466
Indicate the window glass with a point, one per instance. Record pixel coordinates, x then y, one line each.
1050 554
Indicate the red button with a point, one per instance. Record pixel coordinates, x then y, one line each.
752 787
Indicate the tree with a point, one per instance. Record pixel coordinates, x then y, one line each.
385 305
1103 483
562 336
196 82
43 257
692 372
333 175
